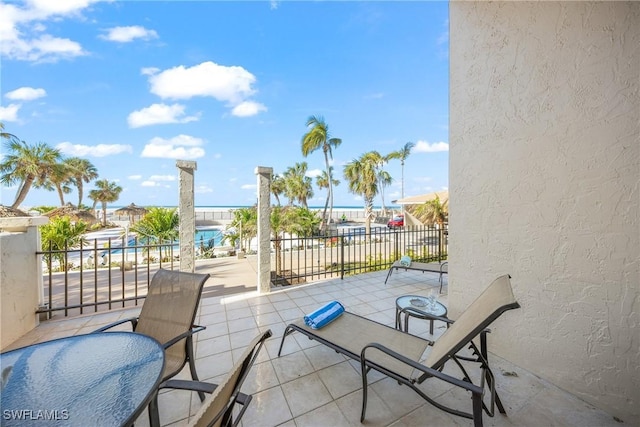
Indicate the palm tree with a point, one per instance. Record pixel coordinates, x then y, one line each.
319 137
402 155
433 211
29 165
105 192
362 175
159 225
277 187
324 180
59 235
6 135
298 186
82 170
245 224
60 178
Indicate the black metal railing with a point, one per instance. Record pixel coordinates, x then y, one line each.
351 251
116 273
96 277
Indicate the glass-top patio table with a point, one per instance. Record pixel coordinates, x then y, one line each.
104 379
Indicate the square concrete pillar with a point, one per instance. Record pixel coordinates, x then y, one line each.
264 175
187 215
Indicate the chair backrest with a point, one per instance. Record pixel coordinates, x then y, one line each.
494 301
170 308
217 409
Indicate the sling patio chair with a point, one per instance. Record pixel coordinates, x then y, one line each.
218 409
441 268
168 315
402 356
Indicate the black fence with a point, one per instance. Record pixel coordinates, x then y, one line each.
115 273
98 277
352 251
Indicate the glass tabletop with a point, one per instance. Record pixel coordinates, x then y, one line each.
95 379
421 303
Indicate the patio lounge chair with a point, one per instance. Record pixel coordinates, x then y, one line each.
167 315
218 409
401 355
433 267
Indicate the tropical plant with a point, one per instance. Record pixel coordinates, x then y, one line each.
433 211
298 186
28 165
158 226
60 234
105 192
317 138
60 179
243 227
278 187
402 155
324 180
362 176
80 171
301 221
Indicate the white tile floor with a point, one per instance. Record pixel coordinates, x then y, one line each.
311 385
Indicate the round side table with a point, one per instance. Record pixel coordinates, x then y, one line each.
412 306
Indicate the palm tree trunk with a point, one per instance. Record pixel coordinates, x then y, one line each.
368 214
60 194
79 185
22 192
104 213
326 220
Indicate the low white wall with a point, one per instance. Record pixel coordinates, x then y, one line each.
20 277
544 185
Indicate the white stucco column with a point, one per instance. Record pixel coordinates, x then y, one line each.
20 276
187 215
264 228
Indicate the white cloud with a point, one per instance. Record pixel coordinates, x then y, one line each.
23 32
9 113
248 108
25 94
134 177
160 114
149 184
162 178
313 173
230 84
425 147
100 150
249 186
128 34
183 147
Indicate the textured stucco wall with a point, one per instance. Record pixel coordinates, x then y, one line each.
544 185
20 277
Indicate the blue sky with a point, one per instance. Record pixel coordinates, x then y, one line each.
134 85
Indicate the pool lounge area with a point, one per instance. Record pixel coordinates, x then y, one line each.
312 385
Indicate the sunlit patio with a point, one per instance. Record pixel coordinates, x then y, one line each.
311 385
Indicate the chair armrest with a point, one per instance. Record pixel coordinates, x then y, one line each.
187 334
200 386
133 320
425 369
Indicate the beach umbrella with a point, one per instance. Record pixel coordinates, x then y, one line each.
73 213
131 211
6 211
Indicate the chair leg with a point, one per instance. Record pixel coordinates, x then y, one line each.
388 274
364 389
477 409
154 415
192 365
